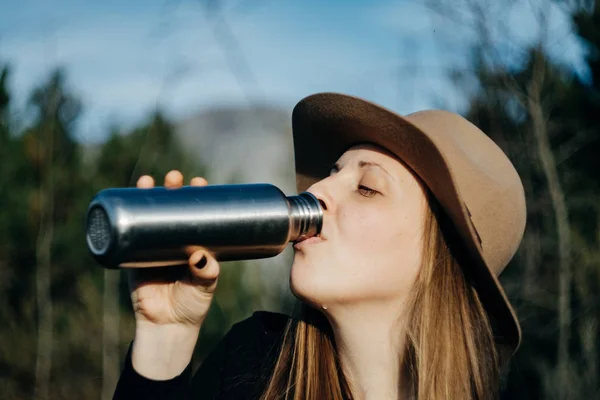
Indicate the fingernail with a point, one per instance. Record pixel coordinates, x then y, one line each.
201 263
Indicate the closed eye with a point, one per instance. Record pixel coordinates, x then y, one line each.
366 191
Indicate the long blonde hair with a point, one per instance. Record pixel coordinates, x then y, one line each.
449 348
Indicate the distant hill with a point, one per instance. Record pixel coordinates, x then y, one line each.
237 145
242 145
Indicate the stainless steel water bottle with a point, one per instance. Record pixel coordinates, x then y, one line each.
130 227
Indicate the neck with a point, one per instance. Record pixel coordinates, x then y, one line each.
370 348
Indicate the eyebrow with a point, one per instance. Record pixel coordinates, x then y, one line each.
362 164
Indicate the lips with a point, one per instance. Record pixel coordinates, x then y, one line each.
316 238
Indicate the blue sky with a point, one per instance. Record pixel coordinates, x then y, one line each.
123 56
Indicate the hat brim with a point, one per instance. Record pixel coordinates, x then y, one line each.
326 124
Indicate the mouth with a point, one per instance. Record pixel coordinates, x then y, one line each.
309 240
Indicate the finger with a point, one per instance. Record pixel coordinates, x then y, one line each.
174 179
204 268
152 275
145 182
191 249
198 181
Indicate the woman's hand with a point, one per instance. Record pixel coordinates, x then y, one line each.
170 303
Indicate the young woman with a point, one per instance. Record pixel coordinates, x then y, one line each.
398 296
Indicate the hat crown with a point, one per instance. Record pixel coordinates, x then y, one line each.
486 180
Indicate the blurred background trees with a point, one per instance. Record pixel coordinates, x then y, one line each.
66 322
546 118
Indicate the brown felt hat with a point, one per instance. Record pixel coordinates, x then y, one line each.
472 179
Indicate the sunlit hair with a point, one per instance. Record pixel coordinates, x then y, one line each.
449 347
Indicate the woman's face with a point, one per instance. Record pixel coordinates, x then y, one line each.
370 245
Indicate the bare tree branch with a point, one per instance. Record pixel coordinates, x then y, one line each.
540 131
44 253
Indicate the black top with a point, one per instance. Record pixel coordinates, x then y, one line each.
238 368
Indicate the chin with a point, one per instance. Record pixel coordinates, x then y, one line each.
298 280
304 283
310 285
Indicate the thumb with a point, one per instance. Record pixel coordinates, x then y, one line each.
204 268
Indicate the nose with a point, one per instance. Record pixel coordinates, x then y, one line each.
323 204
321 195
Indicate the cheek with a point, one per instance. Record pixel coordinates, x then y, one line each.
361 229
368 233
381 253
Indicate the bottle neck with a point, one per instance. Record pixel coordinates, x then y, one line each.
306 216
